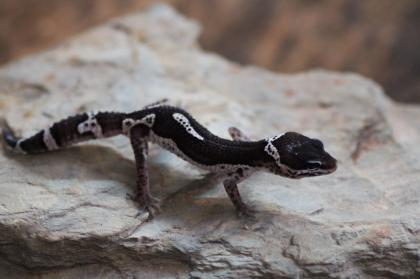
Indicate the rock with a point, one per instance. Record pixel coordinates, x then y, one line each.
64 214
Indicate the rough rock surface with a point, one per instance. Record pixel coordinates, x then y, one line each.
65 215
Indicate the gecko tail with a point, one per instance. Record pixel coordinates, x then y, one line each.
8 135
66 132
14 143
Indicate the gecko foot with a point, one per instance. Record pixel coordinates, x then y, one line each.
246 212
147 203
237 135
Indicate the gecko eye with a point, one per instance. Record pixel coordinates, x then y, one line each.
314 164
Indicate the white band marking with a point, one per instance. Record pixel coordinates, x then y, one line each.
90 125
181 119
271 150
19 149
49 139
129 123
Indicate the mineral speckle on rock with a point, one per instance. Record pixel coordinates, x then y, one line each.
65 214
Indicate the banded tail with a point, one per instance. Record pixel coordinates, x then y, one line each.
66 132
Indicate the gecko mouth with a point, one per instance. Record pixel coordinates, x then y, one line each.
330 164
296 174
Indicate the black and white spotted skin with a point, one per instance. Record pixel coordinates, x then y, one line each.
291 154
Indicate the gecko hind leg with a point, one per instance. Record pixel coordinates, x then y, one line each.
237 135
143 195
157 103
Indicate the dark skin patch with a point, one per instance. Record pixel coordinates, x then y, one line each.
299 152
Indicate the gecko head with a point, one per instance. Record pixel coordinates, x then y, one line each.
294 155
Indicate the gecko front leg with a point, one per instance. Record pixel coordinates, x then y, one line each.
139 144
231 187
231 182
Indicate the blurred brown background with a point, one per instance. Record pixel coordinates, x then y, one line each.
377 38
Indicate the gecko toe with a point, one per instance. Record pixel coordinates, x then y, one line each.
147 204
154 200
132 197
153 209
247 213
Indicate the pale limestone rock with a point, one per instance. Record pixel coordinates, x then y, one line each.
64 214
